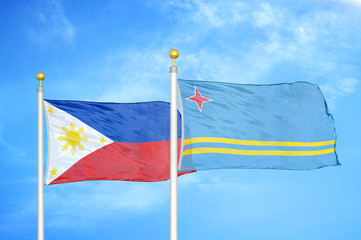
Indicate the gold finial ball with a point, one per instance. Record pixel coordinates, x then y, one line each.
40 76
173 53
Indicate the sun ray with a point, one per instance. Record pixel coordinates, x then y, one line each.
80 130
84 139
65 130
81 147
65 146
72 127
73 151
61 138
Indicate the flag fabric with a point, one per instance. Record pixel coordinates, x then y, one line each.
279 126
107 141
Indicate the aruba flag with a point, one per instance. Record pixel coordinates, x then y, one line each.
280 126
108 141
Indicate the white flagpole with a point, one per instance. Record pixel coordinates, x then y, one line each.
173 148
40 76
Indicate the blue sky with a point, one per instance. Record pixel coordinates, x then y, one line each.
118 51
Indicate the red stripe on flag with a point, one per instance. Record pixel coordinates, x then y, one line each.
140 162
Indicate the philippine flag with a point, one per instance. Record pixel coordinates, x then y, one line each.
108 141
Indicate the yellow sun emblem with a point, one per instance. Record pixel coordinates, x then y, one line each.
72 138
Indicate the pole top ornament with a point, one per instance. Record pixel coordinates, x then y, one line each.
40 76
174 55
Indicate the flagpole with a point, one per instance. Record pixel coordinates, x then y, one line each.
173 148
40 76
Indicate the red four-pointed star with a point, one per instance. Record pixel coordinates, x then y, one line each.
199 99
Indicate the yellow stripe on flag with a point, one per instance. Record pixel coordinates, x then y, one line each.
256 143
257 152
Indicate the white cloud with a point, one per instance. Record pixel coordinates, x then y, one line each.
135 76
53 23
215 14
206 65
311 42
347 85
304 34
268 16
338 88
353 2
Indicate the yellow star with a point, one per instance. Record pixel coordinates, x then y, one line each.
53 172
50 109
102 140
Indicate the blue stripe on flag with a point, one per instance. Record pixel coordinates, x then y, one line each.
124 122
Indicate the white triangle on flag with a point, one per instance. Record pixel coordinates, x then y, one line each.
69 140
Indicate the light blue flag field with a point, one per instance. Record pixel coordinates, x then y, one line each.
277 126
